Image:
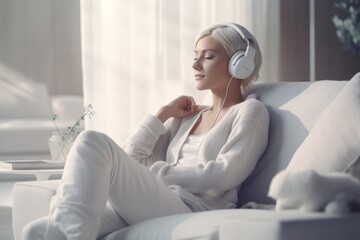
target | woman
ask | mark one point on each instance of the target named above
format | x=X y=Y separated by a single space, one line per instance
x=186 y=158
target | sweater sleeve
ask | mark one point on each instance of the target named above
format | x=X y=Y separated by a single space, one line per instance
x=235 y=162
x=149 y=143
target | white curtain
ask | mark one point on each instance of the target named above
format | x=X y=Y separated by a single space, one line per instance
x=137 y=54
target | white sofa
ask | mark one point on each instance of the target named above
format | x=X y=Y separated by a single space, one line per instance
x=26 y=124
x=294 y=110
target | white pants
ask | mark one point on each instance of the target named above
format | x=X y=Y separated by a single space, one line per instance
x=98 y=172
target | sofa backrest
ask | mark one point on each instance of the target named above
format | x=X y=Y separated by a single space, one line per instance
x=21 y=98
x=294 y=108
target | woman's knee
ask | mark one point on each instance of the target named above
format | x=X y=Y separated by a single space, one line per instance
x=90 y=135
x=93 y=144
x=34 y=230
x=93 y=139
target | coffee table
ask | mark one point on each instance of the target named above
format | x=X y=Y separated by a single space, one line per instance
x=40 y=174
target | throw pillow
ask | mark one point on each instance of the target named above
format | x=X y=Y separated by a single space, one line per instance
x=333 y=143
x=309 y=191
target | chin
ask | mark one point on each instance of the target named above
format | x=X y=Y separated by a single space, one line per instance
x=201 y=87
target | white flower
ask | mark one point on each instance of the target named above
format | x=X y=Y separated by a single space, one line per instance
x=69 y=135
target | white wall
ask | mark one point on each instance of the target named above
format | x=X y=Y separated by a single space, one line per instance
x=40 y=40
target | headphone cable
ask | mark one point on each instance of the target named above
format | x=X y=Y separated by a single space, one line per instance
x=217 y=115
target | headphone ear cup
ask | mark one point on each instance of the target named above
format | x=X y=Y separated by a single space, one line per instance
x=240 y=66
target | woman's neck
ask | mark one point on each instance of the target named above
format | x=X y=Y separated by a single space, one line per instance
x=233 y=97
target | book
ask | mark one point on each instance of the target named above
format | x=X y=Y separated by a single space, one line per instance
x=30 y=165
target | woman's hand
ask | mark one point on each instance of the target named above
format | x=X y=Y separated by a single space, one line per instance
x=180 y=107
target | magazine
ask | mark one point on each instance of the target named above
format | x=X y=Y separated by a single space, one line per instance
x=31 y=164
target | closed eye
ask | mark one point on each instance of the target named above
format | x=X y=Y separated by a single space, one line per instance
x=206 y=57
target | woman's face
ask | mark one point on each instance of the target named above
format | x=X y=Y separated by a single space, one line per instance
x=210 y=64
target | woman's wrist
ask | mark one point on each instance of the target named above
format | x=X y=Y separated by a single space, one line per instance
x=163 y=114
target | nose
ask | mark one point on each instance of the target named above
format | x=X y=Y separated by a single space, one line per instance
x=196 y=65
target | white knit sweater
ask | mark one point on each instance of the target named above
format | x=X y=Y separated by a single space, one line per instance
x=226 y=157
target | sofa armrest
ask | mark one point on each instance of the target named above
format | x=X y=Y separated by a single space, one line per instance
x=284 y=226
x=31 y=200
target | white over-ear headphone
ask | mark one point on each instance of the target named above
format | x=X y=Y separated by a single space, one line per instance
x=242 y=63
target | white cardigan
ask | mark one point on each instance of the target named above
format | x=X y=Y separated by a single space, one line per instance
x=226 y=157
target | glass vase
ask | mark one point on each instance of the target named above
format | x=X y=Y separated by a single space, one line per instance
x=60 y=145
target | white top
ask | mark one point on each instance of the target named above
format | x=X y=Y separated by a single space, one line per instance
x=226 y=157
x=189 y=149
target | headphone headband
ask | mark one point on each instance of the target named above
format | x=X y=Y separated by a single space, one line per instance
x=243 y=32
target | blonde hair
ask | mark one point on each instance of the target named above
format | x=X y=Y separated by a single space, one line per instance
x=233 y=42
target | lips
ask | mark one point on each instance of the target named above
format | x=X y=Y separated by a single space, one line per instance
x=199 y=75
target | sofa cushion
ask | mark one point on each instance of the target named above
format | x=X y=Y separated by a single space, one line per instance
x=334 y=142
x=294 y=109
x=32 y=200
x=212 y=224
x=202 y=225
x=23 y=99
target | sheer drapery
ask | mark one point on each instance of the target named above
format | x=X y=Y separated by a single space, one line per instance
x=137 y=54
